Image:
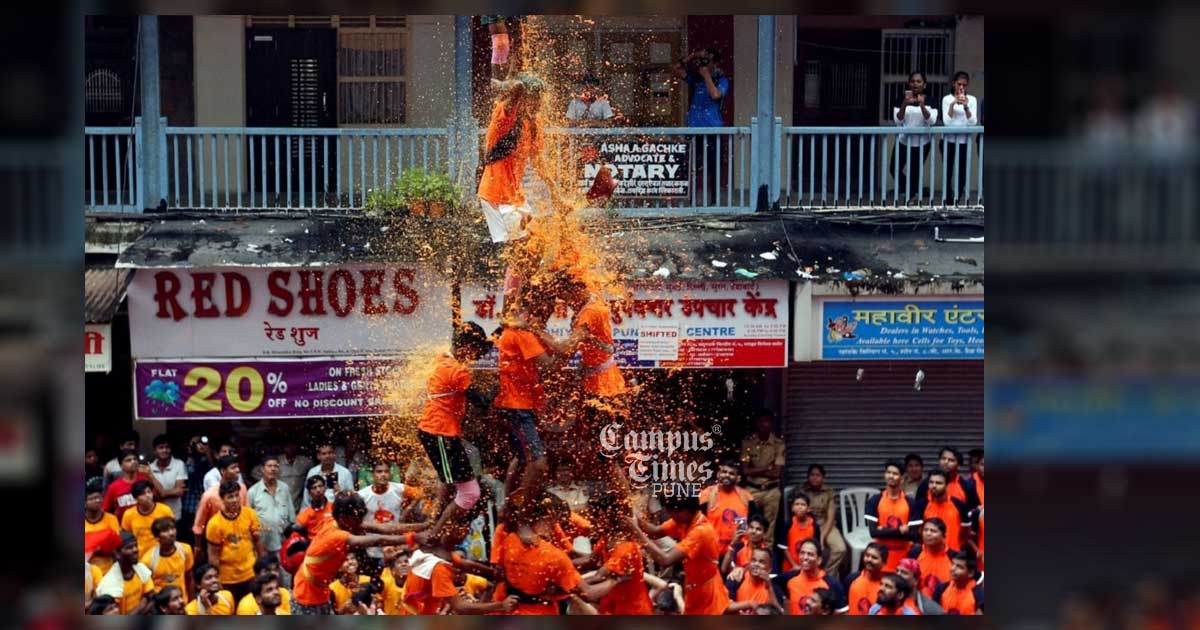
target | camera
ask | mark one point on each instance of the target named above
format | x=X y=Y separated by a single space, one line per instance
x=703 y=61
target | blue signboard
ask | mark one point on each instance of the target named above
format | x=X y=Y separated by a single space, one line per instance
x=904 y=329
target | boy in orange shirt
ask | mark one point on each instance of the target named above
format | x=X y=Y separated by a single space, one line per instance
x=726 y=504
x=863 y=590
x=932 y=555
x=621 y=574
x=318 y=516
x=514 y=138
x=808 y=577
x=440 y=427
x=752 y=586
x=432 y=584
x=962 y=595
x=890 y=516
x=697 y=549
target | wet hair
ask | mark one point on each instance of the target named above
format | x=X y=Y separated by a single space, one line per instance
x=761 y=520
x=826 y=597
x=891 y=463
x=471 y=336
x=224 y=463
x=938 y=472
x=163 y=598
x=228 y=488
x=258 y=583
x=590 y=79
x=666 y=601
x=938 y=523
x=913 y=457
x=953 y=451
x=961 y=75
x=349 y=504
x=812 y=467
x=139 y=487
x=161 y=439
x=312 y=481
x=678 y=502
x=199 y=571
x=100 y=603
x=903 y=588
x=161 y=525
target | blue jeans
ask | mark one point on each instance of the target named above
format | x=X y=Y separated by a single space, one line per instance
x=523 y=435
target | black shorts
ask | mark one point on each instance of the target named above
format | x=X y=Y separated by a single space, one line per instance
x=449 y=457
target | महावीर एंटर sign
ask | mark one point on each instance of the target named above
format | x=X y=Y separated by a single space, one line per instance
x=902 y=329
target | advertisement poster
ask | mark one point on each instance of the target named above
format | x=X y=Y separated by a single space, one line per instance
x=726 y=324
x=351 y=310
x=642 y=168
x=97 y=348
x=283 y=388
x=902 y=329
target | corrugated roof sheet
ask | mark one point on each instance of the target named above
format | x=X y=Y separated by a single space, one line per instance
x=103 y=289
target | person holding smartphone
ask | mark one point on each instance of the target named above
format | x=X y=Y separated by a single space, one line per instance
x=911 y=149
x=959 y=109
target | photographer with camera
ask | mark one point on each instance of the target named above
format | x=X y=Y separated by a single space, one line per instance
x=708 y=85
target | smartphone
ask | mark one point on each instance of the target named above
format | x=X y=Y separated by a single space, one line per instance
x=142 y=458
x=907 y=94
x=204 y=439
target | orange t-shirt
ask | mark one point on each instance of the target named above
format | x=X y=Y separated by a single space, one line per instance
x=954 y=489
x=863 y=592
x=533 y=571
x=631 y=596
x=935 y=568
x=948 y=512
x=520 y=385
x=754 y=590
x=447 y=403
x=704 y=591
x=606 y=382
x=317 y=521
x=729 y=507
x=797 y=534
x=978 y=487
x=322 y=562
x=892 y=514
x=800 y=587
x=428 y=596
x=746 y=551
x=501 y=182
x=102 y=538
x=958 y=601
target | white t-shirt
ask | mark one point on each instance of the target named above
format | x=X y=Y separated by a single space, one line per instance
x=596 y=110
x=213 y=477
x=344 y=480
x=167 y=478
x=383 y=508
x=915 y=119
x=954 y=115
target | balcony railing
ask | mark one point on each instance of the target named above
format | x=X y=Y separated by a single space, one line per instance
x=661 y=170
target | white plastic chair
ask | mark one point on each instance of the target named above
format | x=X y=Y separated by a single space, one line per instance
x=852 y=503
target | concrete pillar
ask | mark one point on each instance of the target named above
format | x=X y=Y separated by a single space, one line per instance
x=765 y=113
x=150 y=154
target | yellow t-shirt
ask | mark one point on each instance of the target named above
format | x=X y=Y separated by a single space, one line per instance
x=138 y=524
x=127 y=592
x=393 y=596
x=170 y=570
x=342 y=593
x=107 y=522
x=224 y=605
x=250 y=607
x=91 y=579
x=236 y=538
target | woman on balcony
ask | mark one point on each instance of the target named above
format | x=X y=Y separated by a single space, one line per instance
x=911 y=149
x=959 y=109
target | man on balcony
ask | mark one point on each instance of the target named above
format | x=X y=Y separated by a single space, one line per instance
x=708 y=85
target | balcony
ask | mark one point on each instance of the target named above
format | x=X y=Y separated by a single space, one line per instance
x=716 y=170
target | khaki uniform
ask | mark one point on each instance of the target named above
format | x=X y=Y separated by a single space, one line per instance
x=819 y=506
x=758 y=453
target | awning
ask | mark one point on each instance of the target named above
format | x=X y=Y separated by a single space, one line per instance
x=759 y=246
x=103 y=288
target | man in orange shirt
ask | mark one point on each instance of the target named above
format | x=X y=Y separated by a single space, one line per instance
x=890 y=516
x=752 y=586
x=863 y=590
x=514 y=138
x=621 y=569
x=728 y=505
x=432 y=583
x=800 y=525
x=950 y=510
x=523 y=365
x=962 y=595
x=327 y=552
x=932 y=555
x=976 y=455
x=697 y=549
x=318 y=516
x=807 y=578
x=211 y=502
x=949 y=461
x=440 y=427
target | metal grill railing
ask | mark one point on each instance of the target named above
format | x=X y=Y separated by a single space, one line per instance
x=111 y=169
x=834 y=168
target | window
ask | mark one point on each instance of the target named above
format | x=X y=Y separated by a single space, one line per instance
x=929 y=50
x=372 y=69
x=102 y=92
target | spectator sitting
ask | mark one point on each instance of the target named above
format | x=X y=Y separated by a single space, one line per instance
x=591 y=107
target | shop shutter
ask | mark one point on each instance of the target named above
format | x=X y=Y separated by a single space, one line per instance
x=852 y=427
